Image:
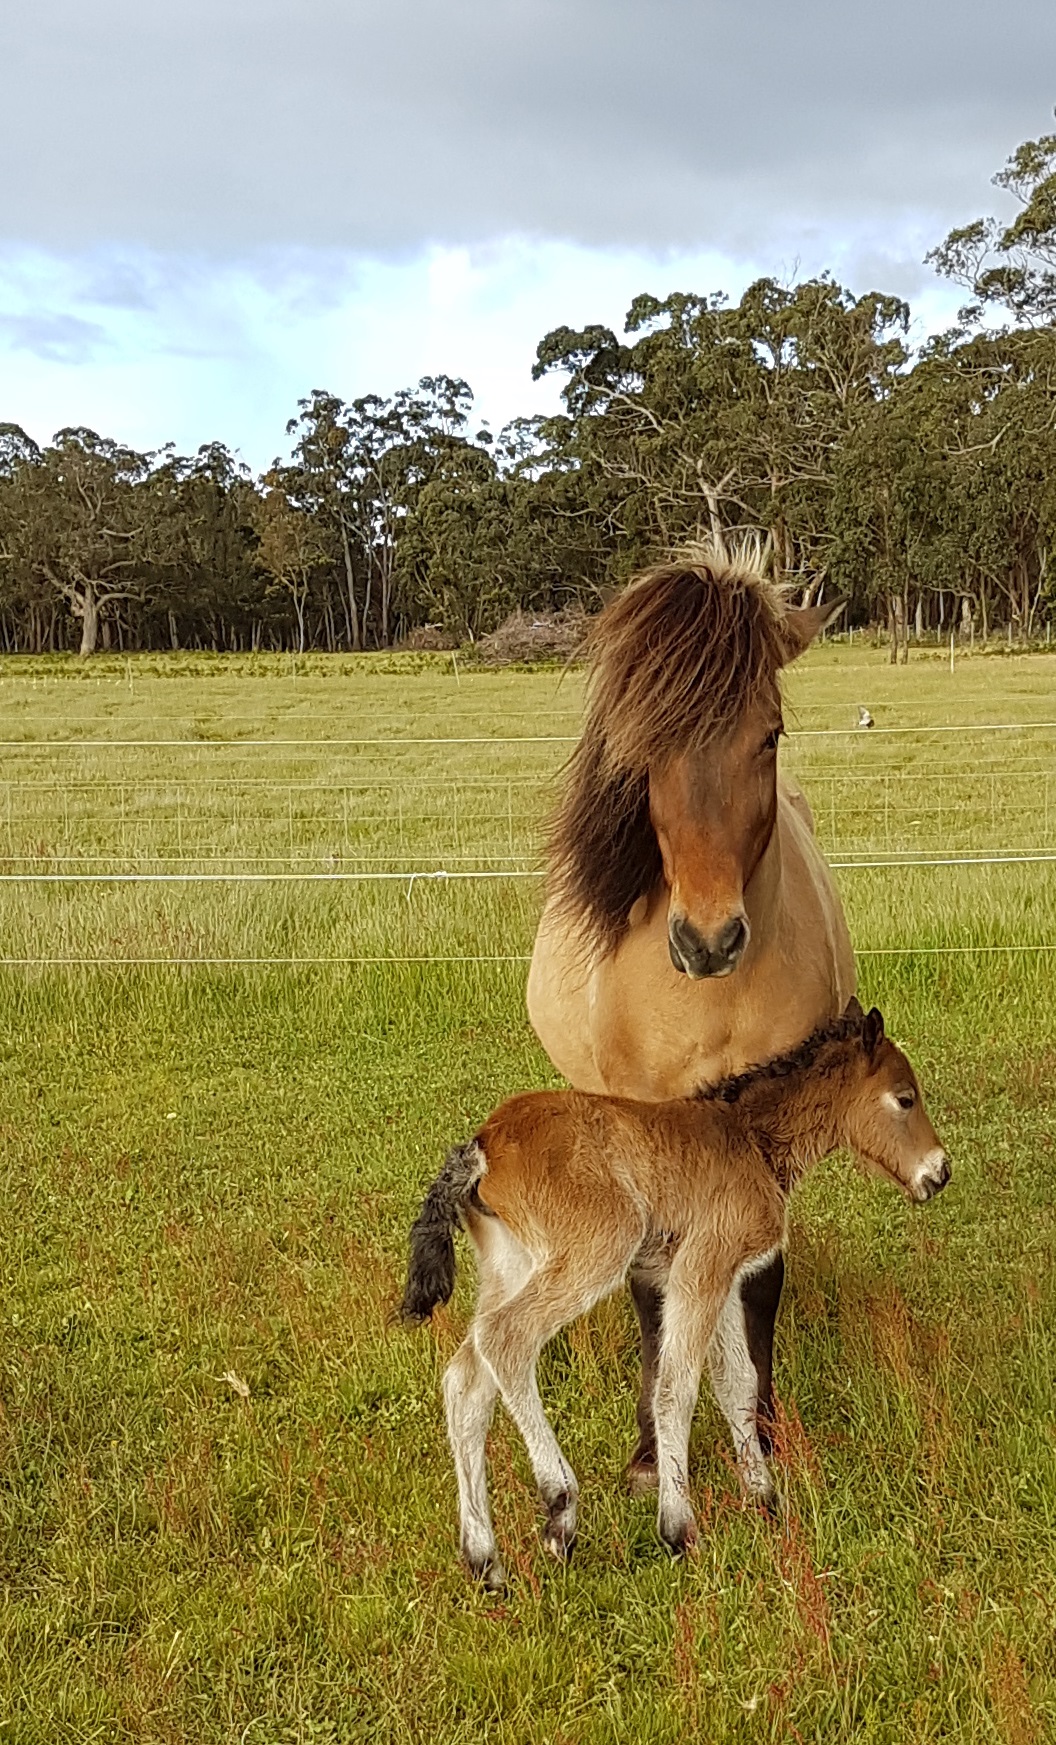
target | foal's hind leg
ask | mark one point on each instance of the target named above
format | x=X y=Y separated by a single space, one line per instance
x=469 y=1395
x=509 y=1340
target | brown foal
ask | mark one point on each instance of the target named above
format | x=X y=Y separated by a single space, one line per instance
x=563 y=1192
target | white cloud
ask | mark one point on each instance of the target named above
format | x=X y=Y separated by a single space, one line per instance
x=150 y=348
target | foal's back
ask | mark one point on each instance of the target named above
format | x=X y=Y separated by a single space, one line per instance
x=557 y=1157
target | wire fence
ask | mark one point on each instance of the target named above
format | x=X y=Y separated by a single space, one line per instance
x=236 y=825
x=444 y=874
x=411 y=827
x=306 y=962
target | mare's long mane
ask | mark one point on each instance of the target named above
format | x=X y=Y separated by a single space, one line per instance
x=674 y=661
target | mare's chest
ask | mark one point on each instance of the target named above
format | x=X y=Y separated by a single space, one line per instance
x=654 y=1033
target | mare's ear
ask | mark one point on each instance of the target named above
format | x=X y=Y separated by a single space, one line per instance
x=872 y=1032
x=802 y=624
x=853 y=1008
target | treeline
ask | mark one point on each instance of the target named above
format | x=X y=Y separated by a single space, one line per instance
x=922 y=484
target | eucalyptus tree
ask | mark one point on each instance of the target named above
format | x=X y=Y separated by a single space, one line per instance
x=78 y=522
x=203 y=546
x=361 y=467
x=1011 y=267
x=721 y=417
x=494 y=527
x=291 y=548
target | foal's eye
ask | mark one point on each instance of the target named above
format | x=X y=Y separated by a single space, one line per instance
x=906 y=1100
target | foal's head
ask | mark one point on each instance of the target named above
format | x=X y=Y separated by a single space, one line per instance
x=887 y=1125
x=675 y=778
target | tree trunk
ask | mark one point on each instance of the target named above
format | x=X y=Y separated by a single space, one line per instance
x=386 y=591
x=350 y=585
x=898 y=627
x=89 y=621
x=366 y=598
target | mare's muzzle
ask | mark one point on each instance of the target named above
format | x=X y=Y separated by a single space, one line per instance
x=698 y=957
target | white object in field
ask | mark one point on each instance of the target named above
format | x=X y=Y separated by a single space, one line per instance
x=864 y=717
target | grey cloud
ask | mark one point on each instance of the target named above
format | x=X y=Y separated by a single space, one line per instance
x=118 y=284
x=234 y=126
x=55 y=338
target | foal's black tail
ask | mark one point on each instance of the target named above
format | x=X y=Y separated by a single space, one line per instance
x=431 y=1269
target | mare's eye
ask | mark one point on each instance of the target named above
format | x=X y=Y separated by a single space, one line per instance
x=770 y=742
x=906 y=1100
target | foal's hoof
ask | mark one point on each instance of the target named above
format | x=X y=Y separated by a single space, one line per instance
x=559 y=1533
x=559 y=1545
x=681 y=1540
x=641 y=1475
x=488 y=1571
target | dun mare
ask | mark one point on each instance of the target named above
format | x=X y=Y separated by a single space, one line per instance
x=691 y=924
x=562 y=1193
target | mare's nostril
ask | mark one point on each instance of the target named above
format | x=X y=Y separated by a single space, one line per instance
x=733 y=938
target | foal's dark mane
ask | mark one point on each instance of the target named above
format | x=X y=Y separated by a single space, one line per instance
x=799 y=1059
x=674 y=660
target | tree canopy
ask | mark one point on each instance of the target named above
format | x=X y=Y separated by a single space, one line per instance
x=921 y=483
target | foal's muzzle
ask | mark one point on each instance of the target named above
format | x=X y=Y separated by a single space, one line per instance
x=934 y=1180
x=698 y=957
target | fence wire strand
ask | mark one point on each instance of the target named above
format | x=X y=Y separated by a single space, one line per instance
x=396 y=744
x=515 y=957
x=457 y=875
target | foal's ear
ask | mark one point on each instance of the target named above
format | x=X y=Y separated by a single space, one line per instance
x=872 y=1032
x=853 y=1008
x=801 y=624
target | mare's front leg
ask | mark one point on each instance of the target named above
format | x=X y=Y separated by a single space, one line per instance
x=761 y=1297
x=648 y=1298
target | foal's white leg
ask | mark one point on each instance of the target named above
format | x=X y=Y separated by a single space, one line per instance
x=509 y=1344
x=689 y=1322
x=470 y=1392
x=469 y=1395
x=738 y=1386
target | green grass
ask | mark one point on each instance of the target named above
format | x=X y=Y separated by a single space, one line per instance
x=207 y=1171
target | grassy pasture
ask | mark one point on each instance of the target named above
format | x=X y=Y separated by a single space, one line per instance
x=208 y=1168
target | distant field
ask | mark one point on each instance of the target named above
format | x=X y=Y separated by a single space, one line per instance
x=209 y=1164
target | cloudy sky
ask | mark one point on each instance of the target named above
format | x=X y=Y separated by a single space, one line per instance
x=209 y=208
